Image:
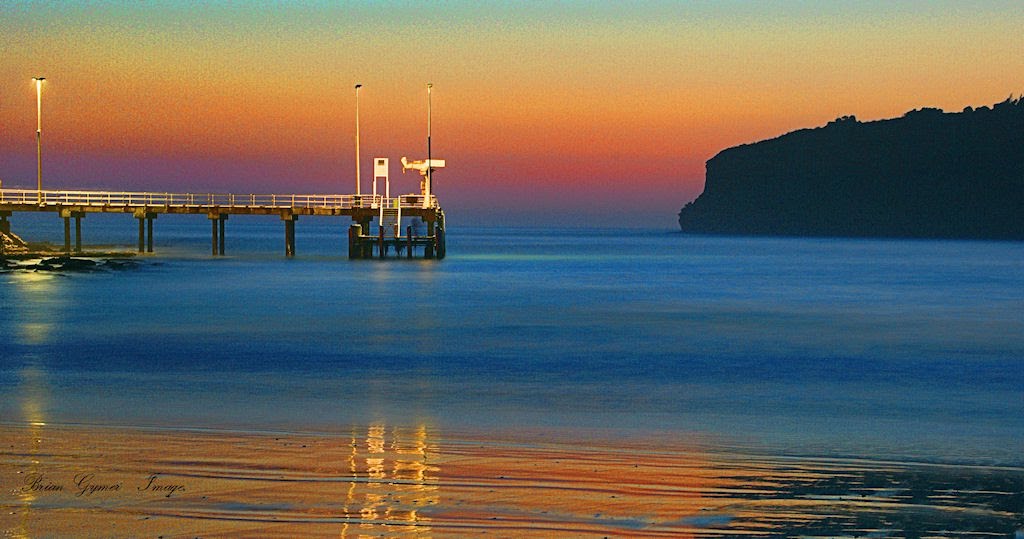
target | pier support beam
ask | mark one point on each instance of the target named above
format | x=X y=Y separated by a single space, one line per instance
x=213 y=223
x=441 y=248
x=367 y=246
x=221 y=223
x=67 y=234
x=149 y=231
x=289 y=233
x=217 y=221
x=145 y=230
x=408 y=241
x=67 y=215
x=78 y=231
x=428 y=249
x=380 y=242
x=355 y=248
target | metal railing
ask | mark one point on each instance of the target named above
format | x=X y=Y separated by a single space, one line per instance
x=209 y=200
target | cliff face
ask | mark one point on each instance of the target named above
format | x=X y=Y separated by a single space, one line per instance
x=927 y=174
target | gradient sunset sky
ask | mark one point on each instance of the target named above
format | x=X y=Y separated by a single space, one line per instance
x=569 y=112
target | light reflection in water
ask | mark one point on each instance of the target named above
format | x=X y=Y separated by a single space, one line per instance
x=389 y=482
x=34 y=392
x=398 y=481
x=37 y=302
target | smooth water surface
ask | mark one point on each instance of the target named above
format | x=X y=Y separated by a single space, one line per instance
x=835 y=347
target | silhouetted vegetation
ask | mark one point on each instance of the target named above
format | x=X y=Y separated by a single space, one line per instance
x=928 y=174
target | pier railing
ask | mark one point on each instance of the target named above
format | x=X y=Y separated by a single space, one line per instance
x=210 y=200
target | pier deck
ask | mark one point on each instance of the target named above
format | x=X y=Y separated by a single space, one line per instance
x=146 y=206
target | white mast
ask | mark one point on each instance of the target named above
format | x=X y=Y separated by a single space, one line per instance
x=358 y=86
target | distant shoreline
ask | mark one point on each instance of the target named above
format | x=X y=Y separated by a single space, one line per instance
x=928 y=175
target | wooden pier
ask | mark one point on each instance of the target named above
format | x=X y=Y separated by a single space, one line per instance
x=390 y=238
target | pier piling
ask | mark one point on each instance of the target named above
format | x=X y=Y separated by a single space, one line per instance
x=441 y=249
x=289 y=233
x=428 y=249
x=142 y=233
x=354 y=248
x=149 y=232
x=213 y=233
x=408 y=242
x=145 y=229
x=221 y=222
x=67 y=232
x=78 y=231
x=217 y=234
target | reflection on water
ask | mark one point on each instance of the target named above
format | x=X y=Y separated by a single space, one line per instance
x=397 y=482
x=34 y=391
x=407 y=482
x=37 y=302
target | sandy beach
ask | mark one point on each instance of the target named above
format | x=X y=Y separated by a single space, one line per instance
x=378 y=480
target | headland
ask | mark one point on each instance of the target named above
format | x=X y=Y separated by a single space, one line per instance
x=928 y=174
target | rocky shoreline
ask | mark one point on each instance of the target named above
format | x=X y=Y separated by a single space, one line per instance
x=19 y=255
x=84 y=262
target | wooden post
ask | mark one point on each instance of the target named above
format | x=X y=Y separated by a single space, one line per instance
x=67 y=234
x=355 y=247
x=440 y=242
x=368 y=246
x=221 y=220
x=408 y=241
x=213 y=231
x=149 y=232
x=291 y=238
x=289 y=233
x=428 y=249
x=380 y=244
x=142 y=233
x=78 y=232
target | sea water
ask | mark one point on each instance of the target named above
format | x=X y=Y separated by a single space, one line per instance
x=836 y=347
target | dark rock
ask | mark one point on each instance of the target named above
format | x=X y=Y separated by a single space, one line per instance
x=66 y=263
x=120 y=264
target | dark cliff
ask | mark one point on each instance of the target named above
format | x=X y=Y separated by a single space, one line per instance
x=928 y=174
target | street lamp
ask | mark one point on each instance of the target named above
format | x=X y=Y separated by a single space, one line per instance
x=430 y=164
x=358 y=86
x=39 y=136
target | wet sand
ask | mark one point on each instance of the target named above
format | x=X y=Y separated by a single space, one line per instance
x=61 y=481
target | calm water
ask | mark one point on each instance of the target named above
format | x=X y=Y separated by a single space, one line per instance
x=888 y=349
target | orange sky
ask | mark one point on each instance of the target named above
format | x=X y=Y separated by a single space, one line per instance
x=579 y=111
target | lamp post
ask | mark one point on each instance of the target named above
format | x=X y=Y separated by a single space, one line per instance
x=358 y=86
x=39 y=136
x=430 y=164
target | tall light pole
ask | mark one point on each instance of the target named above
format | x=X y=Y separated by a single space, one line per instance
x=430 y=164
x=39 y=136
x=358 y=86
